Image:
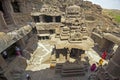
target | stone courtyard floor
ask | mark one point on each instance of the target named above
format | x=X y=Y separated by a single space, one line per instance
x=41 y=71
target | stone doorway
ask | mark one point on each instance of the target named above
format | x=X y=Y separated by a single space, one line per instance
x=48 y=19
x=16 y=6
x=74 y=53
x=58 y=19
x=1 y=7
x=52 y=31
x=36 y=19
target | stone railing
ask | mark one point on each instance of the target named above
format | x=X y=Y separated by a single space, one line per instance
x=7 y=39
x=47 y=26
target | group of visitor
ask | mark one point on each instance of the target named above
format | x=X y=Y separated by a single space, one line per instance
x=100 y=63
x=17 y=52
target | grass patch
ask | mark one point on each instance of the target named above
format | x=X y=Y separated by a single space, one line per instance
x=115 y=15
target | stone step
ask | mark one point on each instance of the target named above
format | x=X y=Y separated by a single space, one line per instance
x=2 y=77
x=72 y=71
x=16 y=74
x=1 y=71
x=74 y=68
x=73 y=74
x=58 y=68
x=58 y=71
x=6 y=16
x=17 y=78
x=7 y=19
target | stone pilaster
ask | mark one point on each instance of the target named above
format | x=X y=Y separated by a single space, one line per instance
x=41 y=18
x=54 y=20
x=2 y=21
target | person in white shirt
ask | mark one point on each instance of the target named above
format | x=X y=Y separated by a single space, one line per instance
x=18 y=52
x=5 y=55
x=28 y=77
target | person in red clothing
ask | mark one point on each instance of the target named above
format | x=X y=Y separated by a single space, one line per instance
x=18 y=51
x=104 y=54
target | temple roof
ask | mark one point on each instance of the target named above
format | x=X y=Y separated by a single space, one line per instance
x=73 y=8
x=48 y=10
x=84 y=44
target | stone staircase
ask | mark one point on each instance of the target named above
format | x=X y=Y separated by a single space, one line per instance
x=70 y=69
x=2 y=77
x=7 y=19
x=17 y=75
x=58 y=68
x=65 y=33
x=67 y=72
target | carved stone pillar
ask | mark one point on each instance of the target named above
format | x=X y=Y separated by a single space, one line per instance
x=54 y=20
x=41 y=18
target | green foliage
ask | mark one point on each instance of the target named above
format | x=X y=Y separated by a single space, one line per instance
x=115 y=15
x=117 y=18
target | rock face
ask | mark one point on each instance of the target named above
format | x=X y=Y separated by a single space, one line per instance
x=92 y=13
x=16 y=68
x=17 y=12
x=114 y=64
x=19 y=62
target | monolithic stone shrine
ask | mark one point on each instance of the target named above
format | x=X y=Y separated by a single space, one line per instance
x=58 y=40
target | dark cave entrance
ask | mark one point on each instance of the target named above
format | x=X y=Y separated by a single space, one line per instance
x=76 y=52
x=52 y=31
x=1 y=7
x=58 y=19
x=48 y=19
x=15 y=6
x=36 y=18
